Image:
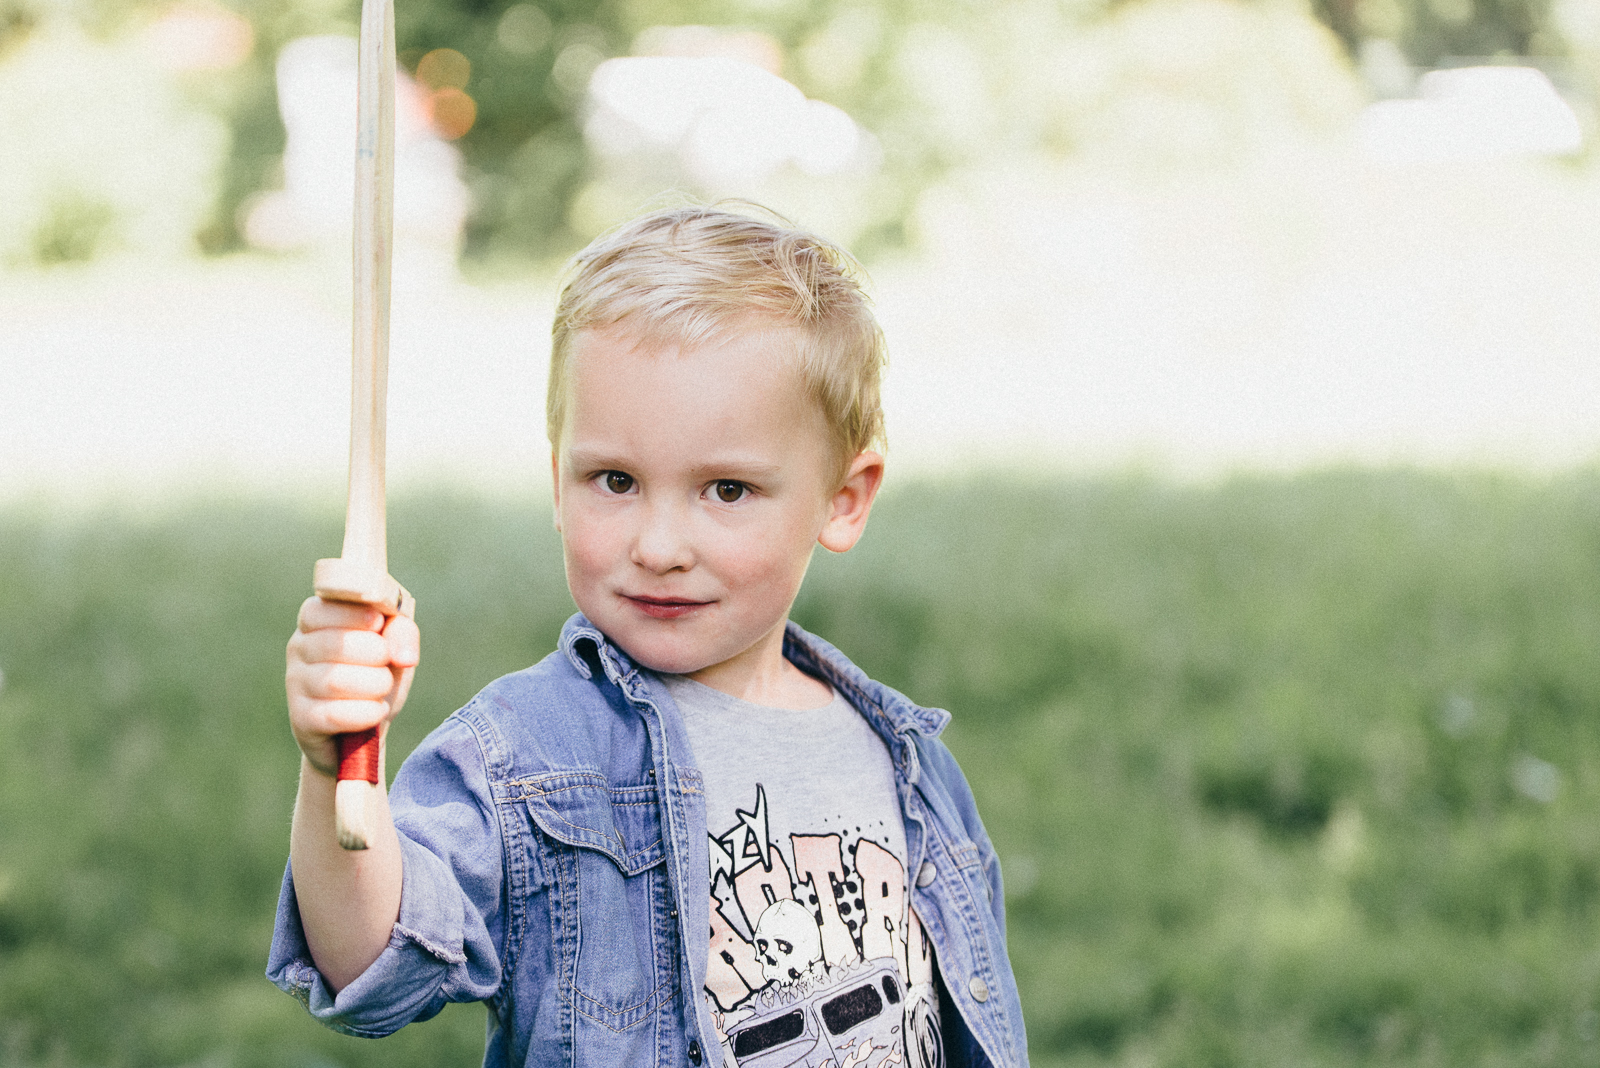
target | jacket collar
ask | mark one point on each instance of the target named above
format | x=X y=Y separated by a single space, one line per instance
x=589 y=650
x=809 y=652
x=890 y=712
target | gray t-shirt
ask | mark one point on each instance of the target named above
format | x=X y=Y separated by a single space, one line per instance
x=813 y=944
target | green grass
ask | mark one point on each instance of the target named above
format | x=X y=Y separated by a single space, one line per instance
x=1285 y=771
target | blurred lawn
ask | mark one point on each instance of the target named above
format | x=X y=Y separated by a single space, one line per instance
x=1283 y=771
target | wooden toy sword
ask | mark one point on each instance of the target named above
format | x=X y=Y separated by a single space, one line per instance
x=361 y=573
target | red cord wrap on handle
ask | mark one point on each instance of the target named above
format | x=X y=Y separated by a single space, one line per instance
x=358 y=755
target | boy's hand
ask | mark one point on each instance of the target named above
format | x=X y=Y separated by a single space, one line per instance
x=349 y=668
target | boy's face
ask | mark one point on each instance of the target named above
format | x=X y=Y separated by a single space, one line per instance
x=691 y=484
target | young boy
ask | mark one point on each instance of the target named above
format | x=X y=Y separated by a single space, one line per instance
x=695 y=834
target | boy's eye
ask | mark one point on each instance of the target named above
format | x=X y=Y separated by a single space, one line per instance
x=729 y=491
x=617 y=482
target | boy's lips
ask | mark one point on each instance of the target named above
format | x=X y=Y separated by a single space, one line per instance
x=665 y=607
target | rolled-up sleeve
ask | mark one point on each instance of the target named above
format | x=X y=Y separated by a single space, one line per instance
x=446 y=945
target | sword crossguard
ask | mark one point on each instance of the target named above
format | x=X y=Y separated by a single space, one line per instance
x=355 y=582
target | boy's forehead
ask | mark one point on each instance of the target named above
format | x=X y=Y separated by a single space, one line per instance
x=744 y=386
x=751 y=365
x=767 y=338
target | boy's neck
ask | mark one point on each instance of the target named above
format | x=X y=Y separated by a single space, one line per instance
x=762 y=675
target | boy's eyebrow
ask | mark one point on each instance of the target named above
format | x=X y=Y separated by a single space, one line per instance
x=579 y=460
x=744 y=467
x=728 y=466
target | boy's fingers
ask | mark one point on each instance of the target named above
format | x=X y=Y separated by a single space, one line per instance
x=341 y=717
x=342 y=682
x=342 y=646
x=317 y=614
x=349 y=669
x=404 y=642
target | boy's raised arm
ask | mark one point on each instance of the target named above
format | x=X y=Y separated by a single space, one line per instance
x=349 y=668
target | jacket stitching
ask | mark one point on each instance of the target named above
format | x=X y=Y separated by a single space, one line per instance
x=651 y=1001
x=978 y=946
x=593 y=832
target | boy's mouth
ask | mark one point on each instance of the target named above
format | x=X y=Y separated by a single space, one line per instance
x=665 y=607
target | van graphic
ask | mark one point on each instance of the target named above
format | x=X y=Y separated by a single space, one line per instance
x=831 y=1028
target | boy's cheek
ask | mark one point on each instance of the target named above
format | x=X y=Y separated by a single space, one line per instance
x=581 y=565
x=589 y=561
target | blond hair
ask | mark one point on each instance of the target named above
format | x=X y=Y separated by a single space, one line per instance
x=686 y=275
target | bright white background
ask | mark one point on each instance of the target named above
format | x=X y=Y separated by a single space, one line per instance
x=1404 y=282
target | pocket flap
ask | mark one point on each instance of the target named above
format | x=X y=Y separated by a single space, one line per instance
x=583 y=809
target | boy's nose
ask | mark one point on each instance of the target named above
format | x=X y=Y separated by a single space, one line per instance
x=662 y=544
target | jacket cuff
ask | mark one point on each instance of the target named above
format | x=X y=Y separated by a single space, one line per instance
x=408 y=980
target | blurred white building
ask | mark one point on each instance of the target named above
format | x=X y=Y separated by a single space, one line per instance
x=705 y=110
x=317 y=99
x=1472 y=114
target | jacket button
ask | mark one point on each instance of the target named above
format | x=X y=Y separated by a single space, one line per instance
x=978 y=989
x=694 y=1051
x=927 y=873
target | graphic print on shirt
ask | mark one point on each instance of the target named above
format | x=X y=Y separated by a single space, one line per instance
x=817 y=960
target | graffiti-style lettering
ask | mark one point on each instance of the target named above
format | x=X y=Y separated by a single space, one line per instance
x=883 y=895
x=733 y=970
x=758 y=887
x=919 y=968
x=818 y=860
x=813 y=945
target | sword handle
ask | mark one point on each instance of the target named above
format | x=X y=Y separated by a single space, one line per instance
x=360 y=752
x=361 y=573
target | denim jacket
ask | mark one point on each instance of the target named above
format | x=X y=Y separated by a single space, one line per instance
x=554 y=851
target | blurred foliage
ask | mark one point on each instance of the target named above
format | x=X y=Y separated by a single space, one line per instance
x=73 y=229
x=1429 y=31
x=106 y=152
x=525 y=157
x=939 y=83
x=17 y=20
x=1284 y=771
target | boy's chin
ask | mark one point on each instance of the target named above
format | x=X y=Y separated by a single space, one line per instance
x=665 y=658
x=681 y=647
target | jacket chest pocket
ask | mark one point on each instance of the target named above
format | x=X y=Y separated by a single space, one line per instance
x=611 y=902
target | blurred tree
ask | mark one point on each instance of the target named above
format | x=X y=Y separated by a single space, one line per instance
x=939 y=83
x=1428 y=31
x=106 y=153
x=529 y=65
x=16 y=20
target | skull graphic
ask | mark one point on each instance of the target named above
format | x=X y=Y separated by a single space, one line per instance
x=787 y=941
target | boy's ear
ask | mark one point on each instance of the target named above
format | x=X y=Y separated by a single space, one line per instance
x=851 y=503
x=555 y=485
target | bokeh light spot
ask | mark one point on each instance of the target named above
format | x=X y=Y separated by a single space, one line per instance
x=444 y=68
x=574 y=65
x=523 y=29
x=452 y=112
